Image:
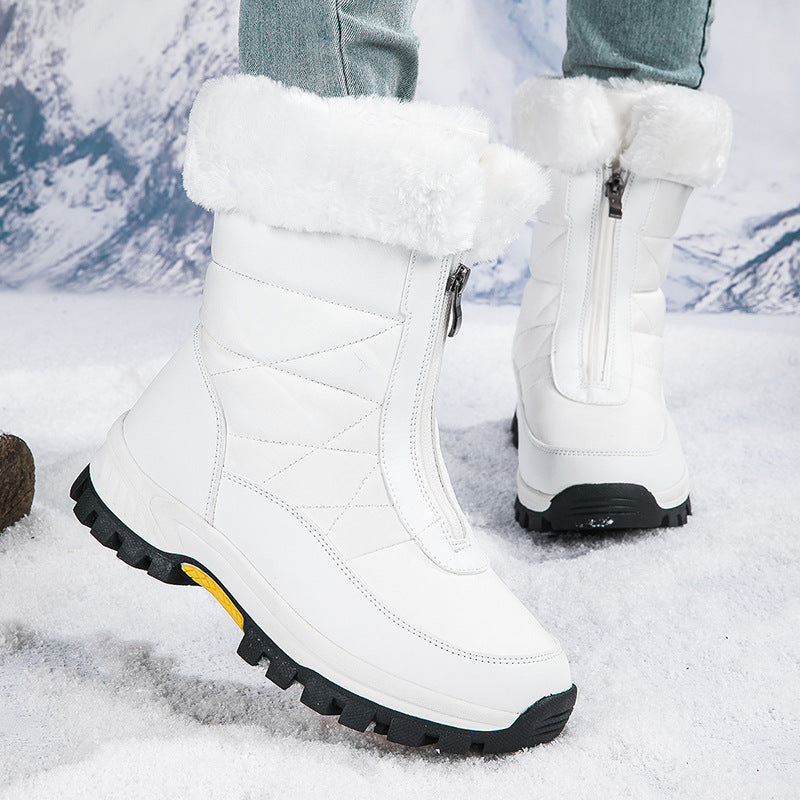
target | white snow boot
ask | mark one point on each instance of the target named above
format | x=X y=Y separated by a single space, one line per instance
x=287 y=457
x=597 y=446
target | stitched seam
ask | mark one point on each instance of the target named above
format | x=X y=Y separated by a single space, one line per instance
x=350 y=559
x=257 y=362
x=305 y=294
x=318 y=383
x=429 y=526
x=339 y=346
x=300 y=377
x=342 y=61
x=417 y=408
x=216 y=470
x=457 y=542
x=352 y=505
x=297 y=444
x=436 y=560
x=412 y=261
x=317 y=448
x=608 y=383
x=535 y=327
x=565 y=452
x=706 y=26
x=353 y=497
x=597 y=209
x=531 y=361
x=387 y=400
x=557 y=326
x=363 y=589
x=530 y=384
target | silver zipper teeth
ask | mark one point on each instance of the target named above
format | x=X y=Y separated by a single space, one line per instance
x=448 y=326
x=597 y=332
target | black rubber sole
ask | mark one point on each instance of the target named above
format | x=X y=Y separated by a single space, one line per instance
x=541 y=723
x=597 y=507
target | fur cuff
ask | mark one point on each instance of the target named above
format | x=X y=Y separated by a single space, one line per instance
x=653 y=129
x=409 y=174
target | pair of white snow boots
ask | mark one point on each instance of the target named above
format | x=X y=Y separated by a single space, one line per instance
x=287 y=458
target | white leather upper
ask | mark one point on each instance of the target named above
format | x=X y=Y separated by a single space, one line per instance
x=588 y=346
x=406 y=668
x=323 y=353
x=176 y=430
x=349 y=388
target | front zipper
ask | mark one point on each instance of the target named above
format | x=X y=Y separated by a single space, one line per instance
x=598 y=328
x=448 y=325
x=455 y=286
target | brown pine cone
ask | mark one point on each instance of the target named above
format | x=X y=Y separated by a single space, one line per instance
x=16 y=479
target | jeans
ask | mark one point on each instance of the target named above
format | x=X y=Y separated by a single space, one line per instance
x=331 y=47
x=657 y=40
x=339 y=47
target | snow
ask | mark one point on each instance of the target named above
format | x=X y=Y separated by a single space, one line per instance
x=683 y=642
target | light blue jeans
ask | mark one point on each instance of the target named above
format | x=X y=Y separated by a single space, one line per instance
x=338 y=47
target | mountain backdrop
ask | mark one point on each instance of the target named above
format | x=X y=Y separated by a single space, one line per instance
x=95 y=95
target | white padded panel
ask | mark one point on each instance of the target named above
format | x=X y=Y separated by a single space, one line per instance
x=362 y=367
x=258 y=460
x=373 y=490
x=323 y=477
x=270 y=404
x=234 y=313
x=364 y=529
x=480 y=612
x=362 y=436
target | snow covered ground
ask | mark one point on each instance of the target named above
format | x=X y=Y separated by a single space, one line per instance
x=684 y=643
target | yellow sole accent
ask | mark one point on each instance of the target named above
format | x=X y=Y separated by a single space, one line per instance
x=210 y=585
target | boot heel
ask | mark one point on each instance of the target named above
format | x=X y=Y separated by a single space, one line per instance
x=594 y=508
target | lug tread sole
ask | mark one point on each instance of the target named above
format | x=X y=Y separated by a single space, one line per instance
x=540 y=723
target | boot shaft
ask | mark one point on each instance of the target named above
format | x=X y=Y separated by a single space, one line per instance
x=608 y=256
x=323 y=347
x=623 y=158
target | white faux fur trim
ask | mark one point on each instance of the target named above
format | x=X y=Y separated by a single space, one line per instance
x=409 y=174
x=678 y=133
x=567 y=124
x=653 y=129
x=514 y=187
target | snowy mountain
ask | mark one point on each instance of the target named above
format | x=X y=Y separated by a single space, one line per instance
x=93 y=111
x=768 y=278
x=94 y=98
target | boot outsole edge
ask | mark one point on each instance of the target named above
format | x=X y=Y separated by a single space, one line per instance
x=540 y=723
x=600 y=507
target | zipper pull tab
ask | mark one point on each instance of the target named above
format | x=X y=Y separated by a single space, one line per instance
x=455 y=284
x=615 y=186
